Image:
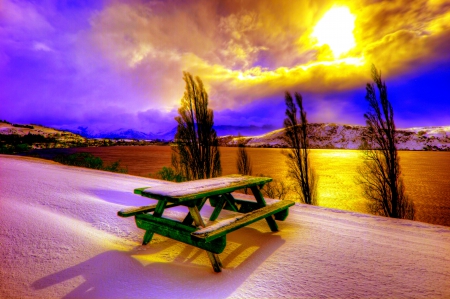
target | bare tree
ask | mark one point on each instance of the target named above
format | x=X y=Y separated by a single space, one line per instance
x=276 y=189
x=296 y=136
x=381 y=174
x=196 y=155
x=243 y=162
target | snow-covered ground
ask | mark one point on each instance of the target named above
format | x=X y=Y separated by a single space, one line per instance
x=60 y=237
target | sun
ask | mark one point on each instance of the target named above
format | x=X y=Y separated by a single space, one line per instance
x=336 y=30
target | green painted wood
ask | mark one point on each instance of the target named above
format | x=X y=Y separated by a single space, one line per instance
x=247 y=204
x=198 y=220
x=200 y=203
x=231 y=204
x=195 y=213
x=262 y=203
x=139 y=190
x=213 y=200
x=216 y=231
x=178 y=231
x=159 y=210
x=281 y=216
x=128 y=212
x=219 y=202
x=215 y=261
x=170 y=223
x=187 y=191
x=148 y=236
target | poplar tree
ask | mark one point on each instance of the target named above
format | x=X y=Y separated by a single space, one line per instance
x=196 y=154
x=381 y=174
x=298 y=162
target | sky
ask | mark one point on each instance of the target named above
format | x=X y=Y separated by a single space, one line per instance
x=106 y=65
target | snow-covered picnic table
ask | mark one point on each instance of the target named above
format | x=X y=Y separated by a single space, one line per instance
x=191 y=228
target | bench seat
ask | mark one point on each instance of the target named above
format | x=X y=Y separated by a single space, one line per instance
x=224 y=227
x=169 y=226
x=247 y=203
x=132 y=211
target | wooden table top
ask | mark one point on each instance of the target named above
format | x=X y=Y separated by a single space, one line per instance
x=192 y=190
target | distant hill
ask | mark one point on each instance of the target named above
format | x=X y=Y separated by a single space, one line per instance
x=19 y=138
x=7 y=128
x=134 y=134
x=333 y=136
x=243 y=130
x=123 y=133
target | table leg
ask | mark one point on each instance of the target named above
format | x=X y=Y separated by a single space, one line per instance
x=220 y=201
x=157 y=213
x=230 y=200
x=213 y=258
x=188 y=219
x=262 y=203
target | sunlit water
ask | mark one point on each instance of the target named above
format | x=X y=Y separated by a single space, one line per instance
x=425 y=174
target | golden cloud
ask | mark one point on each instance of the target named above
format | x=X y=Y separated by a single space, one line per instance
x=245 y=50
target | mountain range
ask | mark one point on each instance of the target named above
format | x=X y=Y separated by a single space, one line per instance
x=333 y=136
x=322 y=135
x=135 y=134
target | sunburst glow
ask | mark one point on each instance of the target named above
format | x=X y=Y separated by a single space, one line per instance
x=336 y=30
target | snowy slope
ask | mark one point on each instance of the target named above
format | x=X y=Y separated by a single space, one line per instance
x=349 y=137
x=60 y=237
x=62 y=136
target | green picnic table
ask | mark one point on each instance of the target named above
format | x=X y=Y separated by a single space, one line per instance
x=191 y=228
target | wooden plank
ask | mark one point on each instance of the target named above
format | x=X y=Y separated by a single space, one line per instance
x=248 y=203
x=213 y=258
x=139 y=190
x=262 y=203
x=220 y=229
x=189 y=219
x=281 y=216
x=178 y=231
x=128 y=212
x=213 y=200
x=231 y=204
x=187 y=191
x=219 y=202
x=159 y=209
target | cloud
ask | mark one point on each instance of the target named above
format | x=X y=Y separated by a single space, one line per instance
x=42 y=47
x=401 y=36
x=121 y=62
x=244 y=51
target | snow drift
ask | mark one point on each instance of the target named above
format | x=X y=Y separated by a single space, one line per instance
x=60 y=237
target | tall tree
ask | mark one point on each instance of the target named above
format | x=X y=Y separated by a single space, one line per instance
x=196 y=155
x=296 y=136
x=381 y=174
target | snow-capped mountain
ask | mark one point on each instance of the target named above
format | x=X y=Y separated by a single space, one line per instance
x=323 y=136
x=335 y=136
x=134 y=134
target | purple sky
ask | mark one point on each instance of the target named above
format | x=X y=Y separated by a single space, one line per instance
x=118 y=64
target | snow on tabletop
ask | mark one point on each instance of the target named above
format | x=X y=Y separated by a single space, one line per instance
x=200 y=186
x=60 y=237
